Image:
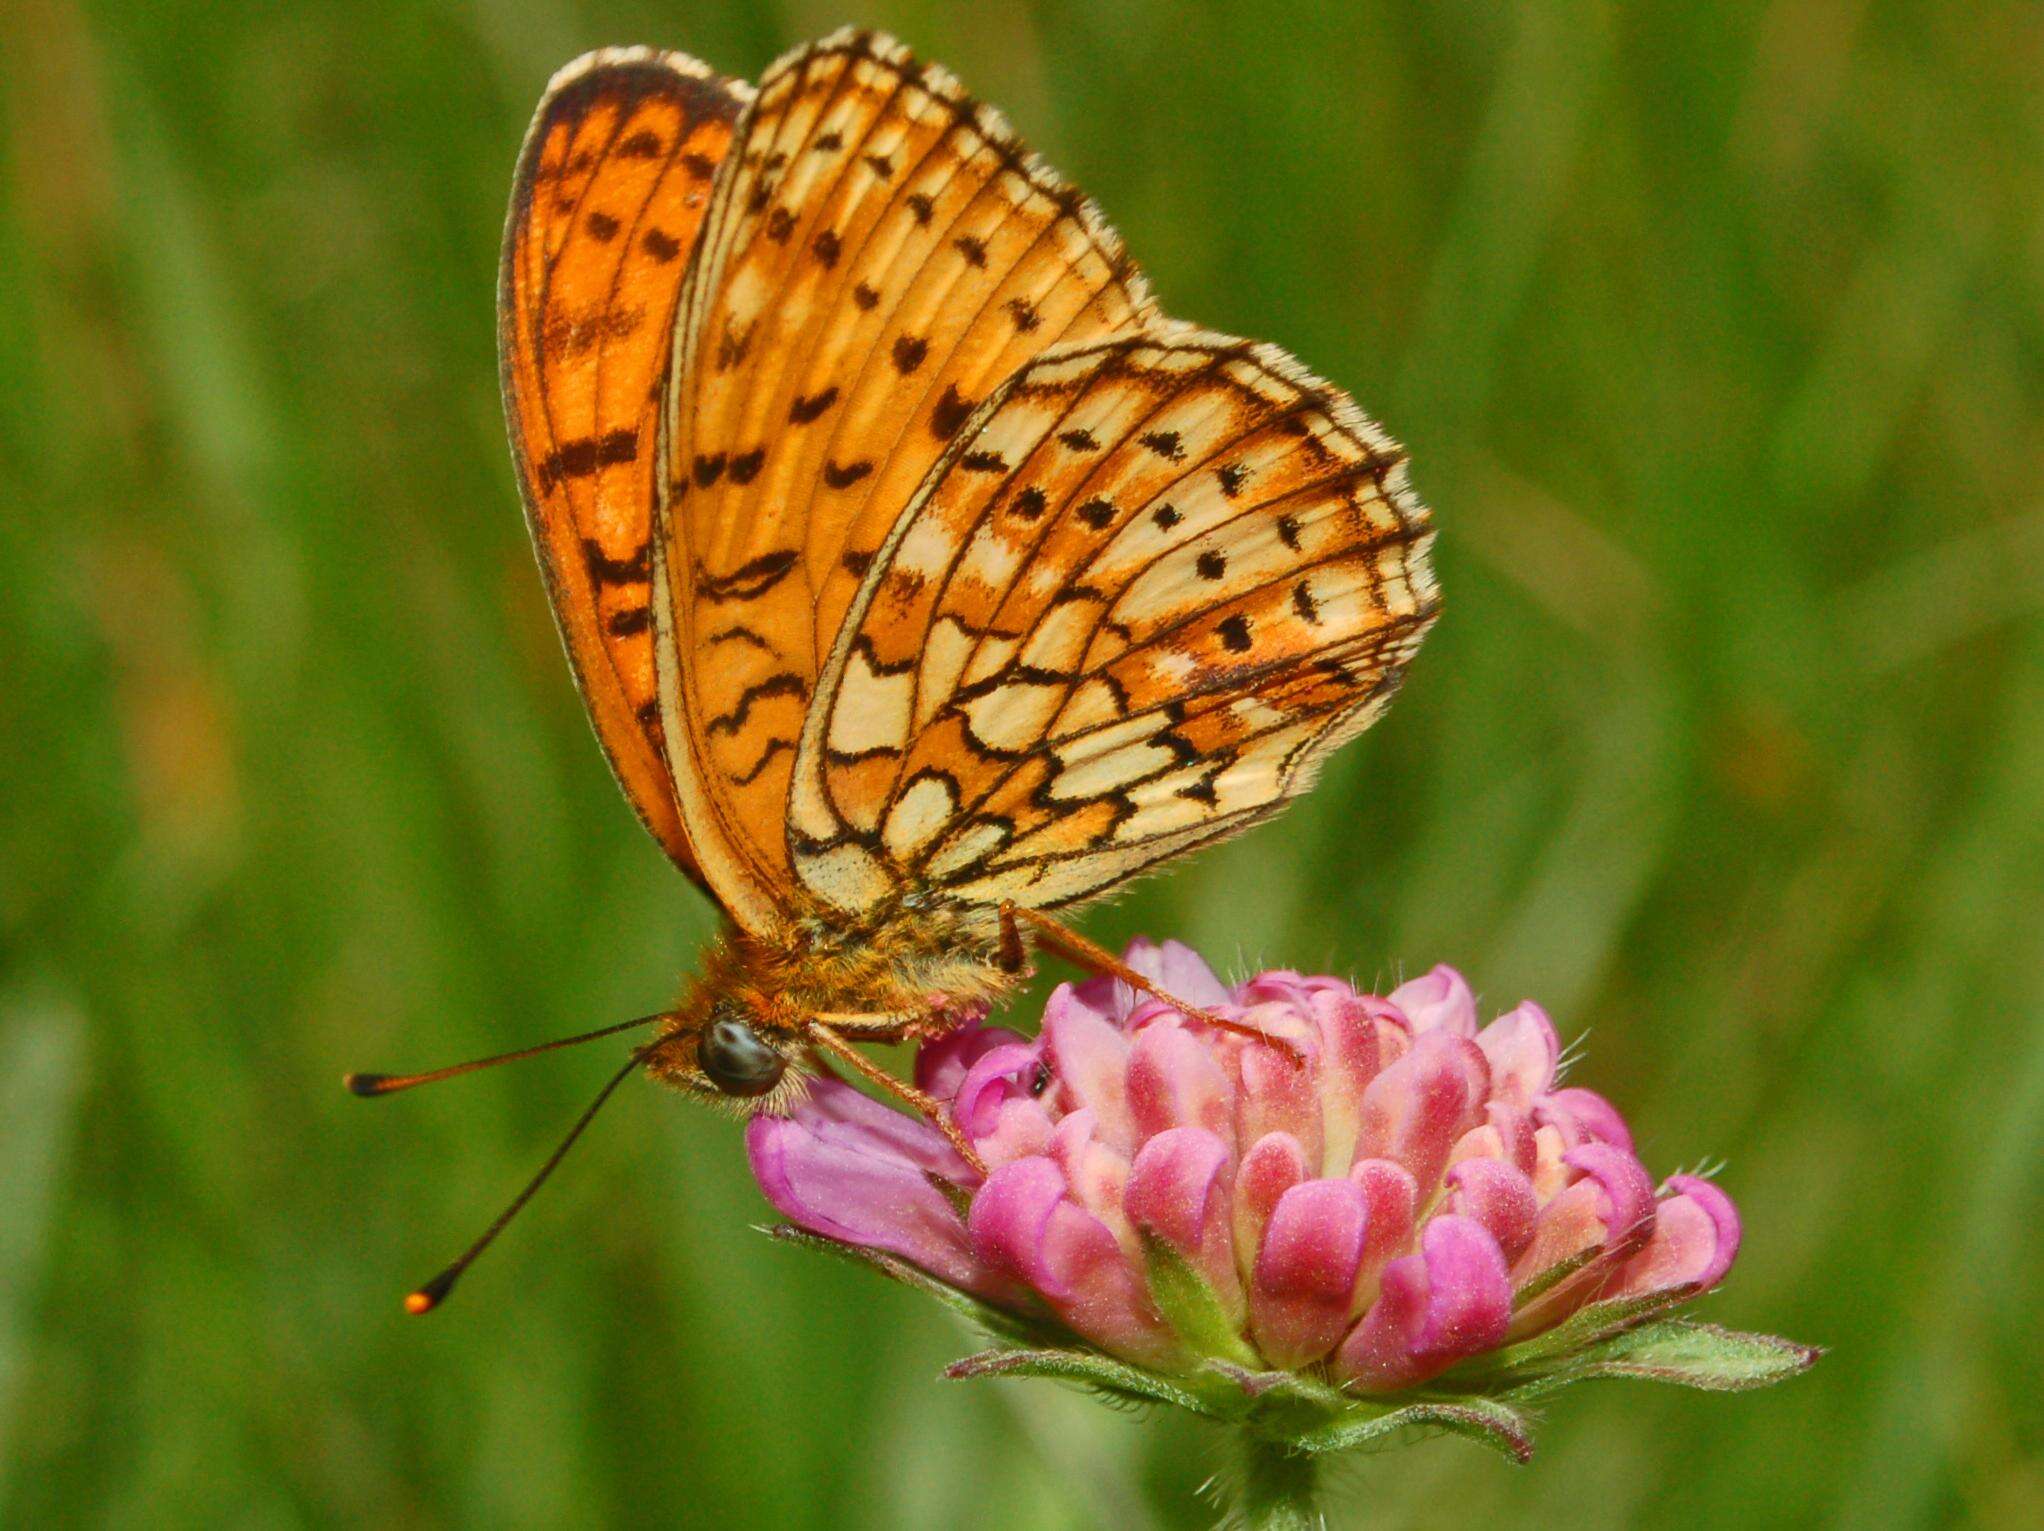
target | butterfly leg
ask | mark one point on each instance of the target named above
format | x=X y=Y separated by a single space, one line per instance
x=1061 y=941
x=829 y=1041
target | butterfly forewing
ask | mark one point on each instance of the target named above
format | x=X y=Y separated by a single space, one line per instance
x=611 y=190
x=1151 y=585
x=881 y=254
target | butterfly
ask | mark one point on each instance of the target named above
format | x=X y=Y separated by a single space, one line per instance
x=920 y=576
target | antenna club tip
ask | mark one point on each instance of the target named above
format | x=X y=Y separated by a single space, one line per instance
x=420 y=1302
x=364 y=1084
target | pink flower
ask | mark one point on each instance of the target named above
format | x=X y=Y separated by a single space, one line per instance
x=1398 y=1197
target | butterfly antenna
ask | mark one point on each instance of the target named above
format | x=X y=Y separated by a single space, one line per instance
x=434 y=1292
x=370 y=1085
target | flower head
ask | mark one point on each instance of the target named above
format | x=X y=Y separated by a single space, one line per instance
x=1386 y=1206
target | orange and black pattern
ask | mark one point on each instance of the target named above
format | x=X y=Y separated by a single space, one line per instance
x=908 y=556
x=1152 y=584
x=610 y=194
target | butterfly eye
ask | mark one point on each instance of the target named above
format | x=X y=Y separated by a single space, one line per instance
x=736 y=1061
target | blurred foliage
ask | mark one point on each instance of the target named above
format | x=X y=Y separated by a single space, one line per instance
x=1718 y=335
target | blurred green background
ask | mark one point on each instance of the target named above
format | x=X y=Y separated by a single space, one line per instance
x=1718 y=335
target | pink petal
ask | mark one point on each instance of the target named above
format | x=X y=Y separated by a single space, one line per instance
x=1179 y=971
x=1347 y=1061
x=1695 y=1239
x=1392 y=1197
x=1088 y=1057
x=1501 y=1198
x=1452 y=1299
x=1583 y=1116
x=1022 y=1223
x=1275 y=1091
x=1272 y=1166
x=864 y=1195
x=1178 y=1191
x=1174 y=1080
x=1414 y=1111
x=1610 y=1208
x=1095 y=1174
x=1305 y=1273
x=997 y=1075
x=1522 y=1049
x=1438 y=1001
x=941 y=1063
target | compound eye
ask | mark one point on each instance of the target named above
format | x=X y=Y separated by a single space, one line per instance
x=735 y=1060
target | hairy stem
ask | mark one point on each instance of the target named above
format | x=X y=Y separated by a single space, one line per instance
x=1274 y=1488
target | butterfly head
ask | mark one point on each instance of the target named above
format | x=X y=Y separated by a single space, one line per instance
x=733 y=1053
x=735 y=1059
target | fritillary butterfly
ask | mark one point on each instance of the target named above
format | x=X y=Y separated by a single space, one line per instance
x=920 y=576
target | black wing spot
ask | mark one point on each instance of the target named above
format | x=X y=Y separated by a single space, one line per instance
x=1165 y=444
x=865 y=296
x=633 y=619
x=709 y=469
x=1304 y=604
x=802 y=411
x=751 y=774
x=922 y=205
x=605 y=570
x=602 y=227
x=1029 y=504
x=661 y=245
x=585 y=454
x=881 y=165
x=1024 y=314
x=828 y=143
x=846 y=476
x=745 y=467
x=648 y=712
x=1234 y=633
x=950 y=413
x=1201 y=791
x=909 y=351
x=644 y=144
x=700 y=166
x=974 y=250
x=827 y=247
x=1166 y=517
x=1232 y=476
x=732 y=348
x=855 y=563
x=787 y=683
x=779 y=225
x=1211 y=565
x=1079 y=440
x=1288 y=532
x=983 y=462
x=1096 y=513
x=748 y=581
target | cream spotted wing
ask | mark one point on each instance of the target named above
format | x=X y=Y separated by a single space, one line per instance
x=1150 y=586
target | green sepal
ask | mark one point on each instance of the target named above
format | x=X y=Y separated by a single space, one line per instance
x=996 y=1323
x=1497 y=1425
x=1190 y=1306
x=1088 y=1368
x=1683 y=1352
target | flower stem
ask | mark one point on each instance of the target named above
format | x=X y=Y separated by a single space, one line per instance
x=1274 y=1488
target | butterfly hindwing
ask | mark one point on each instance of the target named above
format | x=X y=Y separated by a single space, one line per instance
x=1153 y=583
x=610 y=192
x=880 y=255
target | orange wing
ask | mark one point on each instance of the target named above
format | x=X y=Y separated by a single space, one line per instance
x=881 y=253
x=611 y=189
x=1155 y=581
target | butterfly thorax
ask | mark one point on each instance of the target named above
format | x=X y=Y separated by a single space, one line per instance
x=885 y=981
